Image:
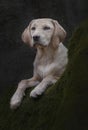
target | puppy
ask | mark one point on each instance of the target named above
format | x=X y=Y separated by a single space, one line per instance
x=51 y=59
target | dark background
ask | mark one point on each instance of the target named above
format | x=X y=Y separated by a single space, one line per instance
x=15 y=57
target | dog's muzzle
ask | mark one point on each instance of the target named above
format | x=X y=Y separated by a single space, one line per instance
x=36 y=38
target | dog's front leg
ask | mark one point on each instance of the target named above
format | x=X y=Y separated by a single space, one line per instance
x=39 y=90
x=20 y=92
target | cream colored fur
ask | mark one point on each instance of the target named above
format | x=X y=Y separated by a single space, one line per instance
x=50 y=60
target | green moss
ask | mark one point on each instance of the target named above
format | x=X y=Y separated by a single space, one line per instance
x=64 y=106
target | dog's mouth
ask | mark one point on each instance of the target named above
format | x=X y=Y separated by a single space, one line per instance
x=37 y=44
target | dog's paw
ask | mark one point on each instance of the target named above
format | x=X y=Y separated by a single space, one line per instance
x=15 y=104
x=36 y=92
x=33 y=94
x=15 y=101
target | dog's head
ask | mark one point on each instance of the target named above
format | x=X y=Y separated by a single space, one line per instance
x=44 y=32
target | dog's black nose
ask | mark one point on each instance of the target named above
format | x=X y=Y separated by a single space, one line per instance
x=36 y=38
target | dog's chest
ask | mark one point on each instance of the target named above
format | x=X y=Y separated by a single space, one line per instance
x=44 y=66
x=43 y=70
x=51 y=63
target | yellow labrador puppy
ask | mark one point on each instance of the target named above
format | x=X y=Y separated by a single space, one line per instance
x=47 y=36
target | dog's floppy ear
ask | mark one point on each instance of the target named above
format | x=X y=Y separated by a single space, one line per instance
x=26 y=36
x=59 y=34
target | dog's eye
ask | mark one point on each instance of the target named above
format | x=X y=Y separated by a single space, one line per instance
x=33 y=28
x=46 y=28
